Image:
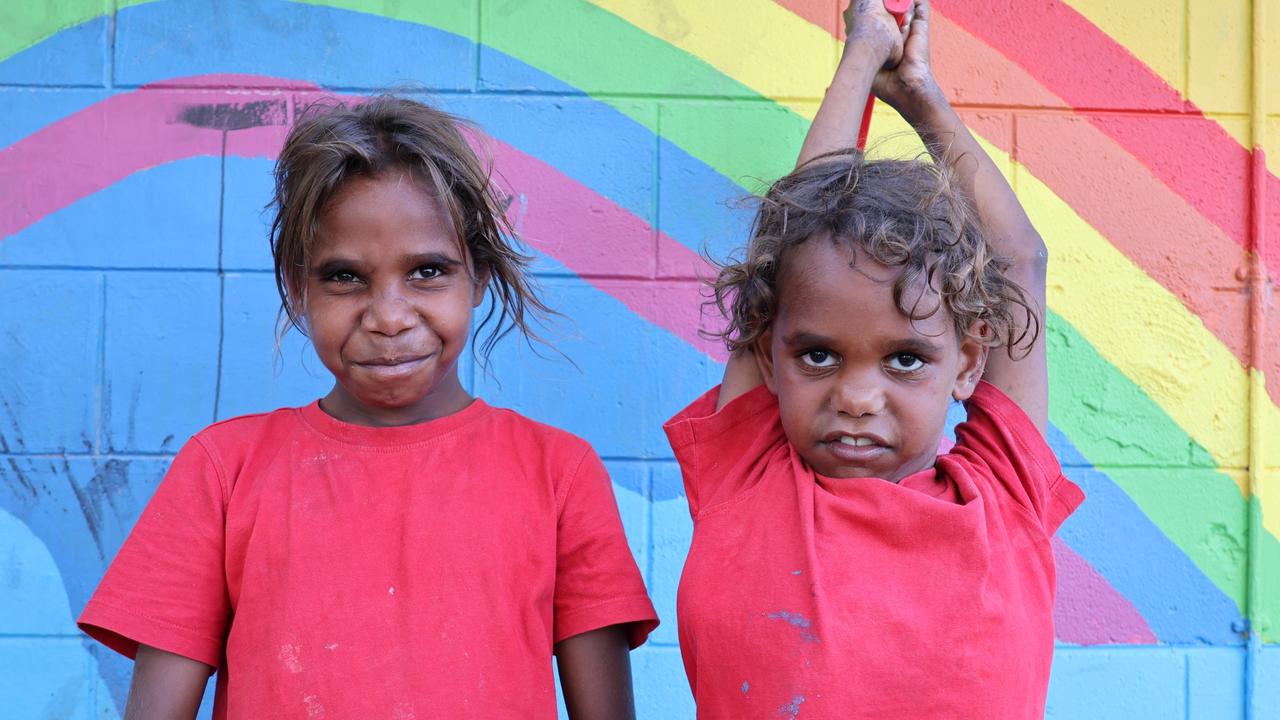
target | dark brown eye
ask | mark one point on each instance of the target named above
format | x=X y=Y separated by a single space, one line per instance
x=818 y=359
x=428 y=272
x=905 y=363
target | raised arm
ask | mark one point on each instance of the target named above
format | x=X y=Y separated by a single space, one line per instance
x=911 y=90
x=874 y=45
x=874 y=42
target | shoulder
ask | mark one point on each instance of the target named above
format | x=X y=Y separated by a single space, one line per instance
x=723 y=452
x=996 y=422
x=231 y=440
x=1006 y=450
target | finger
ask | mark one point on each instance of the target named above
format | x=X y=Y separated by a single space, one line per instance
x=917 y=43
x=921 y=9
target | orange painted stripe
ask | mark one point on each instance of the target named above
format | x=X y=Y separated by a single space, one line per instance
x=1144 y=218
x=1087 y=68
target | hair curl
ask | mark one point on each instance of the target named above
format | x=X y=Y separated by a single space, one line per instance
x=907 y=214
x=334 y=142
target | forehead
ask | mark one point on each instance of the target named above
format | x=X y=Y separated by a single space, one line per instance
x=391 y=208
x=826 y=285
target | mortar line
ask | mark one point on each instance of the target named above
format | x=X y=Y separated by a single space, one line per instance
x=110 y=80
x=1257 y=390
x=222 y=278
x=656 y=228
x=479 y=43
x=1186 y=51
x=99 y=435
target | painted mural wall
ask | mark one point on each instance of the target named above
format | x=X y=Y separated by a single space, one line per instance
x=137 y=304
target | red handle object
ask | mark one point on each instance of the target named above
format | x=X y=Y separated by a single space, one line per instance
x=899 y=10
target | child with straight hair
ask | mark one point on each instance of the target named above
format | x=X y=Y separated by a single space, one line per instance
x=398 y=548
x=840 y=567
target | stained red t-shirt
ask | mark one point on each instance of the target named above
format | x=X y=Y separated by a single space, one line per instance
x=814 y=597
x=334 y=570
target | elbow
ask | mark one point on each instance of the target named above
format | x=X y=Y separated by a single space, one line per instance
x=1031 y=252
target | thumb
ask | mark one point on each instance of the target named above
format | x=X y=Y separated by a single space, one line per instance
x=916 y=46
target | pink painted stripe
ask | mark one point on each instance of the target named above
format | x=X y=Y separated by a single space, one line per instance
x=590 y=234
x=1089 y=611
x=127 y=133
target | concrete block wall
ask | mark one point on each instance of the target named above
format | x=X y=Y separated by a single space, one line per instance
x=137 y=304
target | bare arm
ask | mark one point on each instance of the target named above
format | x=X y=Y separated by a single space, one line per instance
x=165 y=686
x=595 y=675
x=874 y=43
x=910 y=88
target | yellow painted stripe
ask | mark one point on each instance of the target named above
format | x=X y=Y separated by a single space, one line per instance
x=1132 y=321
x=1201 y=48
x=1137 y=325
x=758 y=43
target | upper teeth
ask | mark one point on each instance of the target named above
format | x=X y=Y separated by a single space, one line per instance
x=846 y=440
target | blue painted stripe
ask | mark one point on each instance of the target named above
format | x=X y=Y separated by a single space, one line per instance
x=704 y=220
x=1109 y=530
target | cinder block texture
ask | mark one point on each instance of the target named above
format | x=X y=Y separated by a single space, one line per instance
x=137 y=302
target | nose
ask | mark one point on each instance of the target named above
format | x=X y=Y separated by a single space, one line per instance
x=389 y=313
x=858 y=397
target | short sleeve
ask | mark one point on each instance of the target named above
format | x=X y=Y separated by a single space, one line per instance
x=999 y=435
x=597 y=581
x=722 y=452
x=166 y=588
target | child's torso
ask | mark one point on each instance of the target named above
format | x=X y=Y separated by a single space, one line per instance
x=859 y=598
x=367 y=578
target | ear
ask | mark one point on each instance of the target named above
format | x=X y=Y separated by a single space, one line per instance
x=762 y=351
x=298 y=304
x=480 y=286
x=973 y=362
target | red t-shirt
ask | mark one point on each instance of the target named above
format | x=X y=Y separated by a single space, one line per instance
x=334 y=570
x=814 y=597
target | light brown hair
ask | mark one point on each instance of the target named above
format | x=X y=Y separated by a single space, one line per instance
x=334 y=142
x=907 y=214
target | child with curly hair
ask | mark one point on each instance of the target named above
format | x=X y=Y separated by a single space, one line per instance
x=840 y=567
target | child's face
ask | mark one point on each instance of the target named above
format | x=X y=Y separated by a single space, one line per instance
x=863 y=390
x=389 y=301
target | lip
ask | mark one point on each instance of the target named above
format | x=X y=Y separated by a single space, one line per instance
x=856 y=454
x=393 y=366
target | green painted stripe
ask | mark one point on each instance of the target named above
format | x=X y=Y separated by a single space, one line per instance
x=754 y=139
x=26 y=24
x=1265 y=614
x=1100 y=409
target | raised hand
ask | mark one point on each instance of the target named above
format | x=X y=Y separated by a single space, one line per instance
x=907 y=83
x=868 y=24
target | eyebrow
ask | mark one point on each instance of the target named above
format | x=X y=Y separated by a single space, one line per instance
x=917 y=345
x=330 y=265
x=803 y=338
x=432 y=258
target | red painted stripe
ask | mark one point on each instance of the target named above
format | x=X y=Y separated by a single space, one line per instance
x=590 y=234
x=1080 y=63
x=587 y=232
x=1123 y=198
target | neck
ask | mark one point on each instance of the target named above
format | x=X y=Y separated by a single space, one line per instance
x=445 y=398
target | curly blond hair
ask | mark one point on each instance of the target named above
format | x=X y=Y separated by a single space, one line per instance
x=908 y=214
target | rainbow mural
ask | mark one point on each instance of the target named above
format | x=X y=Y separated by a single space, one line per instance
x=136 y=141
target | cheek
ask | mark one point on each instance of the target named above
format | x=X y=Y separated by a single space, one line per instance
x=452 y=318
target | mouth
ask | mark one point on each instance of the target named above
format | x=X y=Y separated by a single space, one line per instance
x=856 y=448
x=393 y=366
